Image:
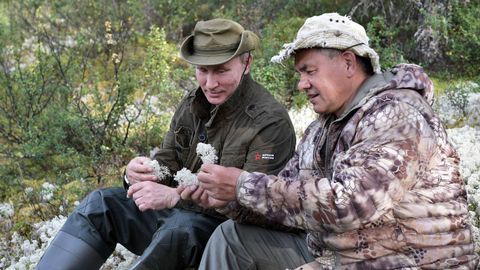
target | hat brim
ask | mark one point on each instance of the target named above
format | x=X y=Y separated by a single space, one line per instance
x=323 y=40
x=248 y=42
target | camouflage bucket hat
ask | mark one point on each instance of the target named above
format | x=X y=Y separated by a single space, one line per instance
x=331 y=30
x=217 y=41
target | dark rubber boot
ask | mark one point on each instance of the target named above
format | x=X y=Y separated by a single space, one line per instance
x=67 y=252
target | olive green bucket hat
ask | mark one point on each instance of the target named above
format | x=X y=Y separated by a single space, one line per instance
x=216 y=41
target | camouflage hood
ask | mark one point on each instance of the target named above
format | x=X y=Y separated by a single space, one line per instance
x=402 y=76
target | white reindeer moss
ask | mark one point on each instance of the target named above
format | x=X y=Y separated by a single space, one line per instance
x=207 y=154
x=185 y=177
x=160 y=171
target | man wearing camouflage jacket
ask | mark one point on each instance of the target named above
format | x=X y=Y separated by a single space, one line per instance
x=374 y=181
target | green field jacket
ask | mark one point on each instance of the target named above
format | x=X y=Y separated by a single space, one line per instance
x=251 y=131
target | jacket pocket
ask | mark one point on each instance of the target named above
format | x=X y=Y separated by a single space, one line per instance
x=183 y=142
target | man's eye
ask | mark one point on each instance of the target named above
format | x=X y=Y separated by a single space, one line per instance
x=310 y=72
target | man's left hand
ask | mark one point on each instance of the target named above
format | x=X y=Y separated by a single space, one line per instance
x=199 y=196
x=151 y=195
x=219 y=182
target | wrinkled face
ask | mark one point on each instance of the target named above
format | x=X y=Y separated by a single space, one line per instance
x=324 y=80
x=219 y=82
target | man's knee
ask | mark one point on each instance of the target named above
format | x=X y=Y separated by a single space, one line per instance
x=224 y=235
x=181 y=236
x=225 y=250
x=89 y=221
x=101 y=200
x=174 y=247
x=225 y=229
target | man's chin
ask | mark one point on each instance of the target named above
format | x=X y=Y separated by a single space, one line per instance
x=318 y=110
x=216 y=100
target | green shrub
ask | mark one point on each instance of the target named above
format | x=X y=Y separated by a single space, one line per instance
x=279 y=79
x=463 y=39
x=383 y=39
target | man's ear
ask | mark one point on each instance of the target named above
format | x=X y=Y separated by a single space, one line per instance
x=249 y=64
x=350 y=63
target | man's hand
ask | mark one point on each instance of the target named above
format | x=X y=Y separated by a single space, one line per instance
x=219 y=182
x=199 y=196
x=138 y=171
x=151 y=195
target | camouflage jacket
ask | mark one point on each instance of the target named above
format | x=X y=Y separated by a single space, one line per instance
x=377 y=188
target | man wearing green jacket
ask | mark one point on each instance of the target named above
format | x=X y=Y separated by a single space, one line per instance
x=248 y=128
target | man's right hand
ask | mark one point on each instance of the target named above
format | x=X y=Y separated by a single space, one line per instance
x=138 y=171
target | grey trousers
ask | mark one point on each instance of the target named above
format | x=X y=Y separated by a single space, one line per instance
x=168 y=239
x=235 y=246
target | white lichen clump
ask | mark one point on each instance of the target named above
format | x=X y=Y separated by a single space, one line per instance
x=160 y=171
x=207 y=154
x=19 y=252
x=47 y=191
x=185 y=177
x=6 y=211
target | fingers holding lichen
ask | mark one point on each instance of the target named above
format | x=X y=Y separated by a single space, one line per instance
x=185 y=177
x=160 y=171
x=207 y=154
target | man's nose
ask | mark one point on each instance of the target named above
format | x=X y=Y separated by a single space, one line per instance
x=211 y=82
x=303 y=84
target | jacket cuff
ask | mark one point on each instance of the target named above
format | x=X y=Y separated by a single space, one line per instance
x=241 y=178
x=126 y=183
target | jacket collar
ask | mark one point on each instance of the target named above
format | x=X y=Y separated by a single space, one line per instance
x=203 y=109
x=370 y=87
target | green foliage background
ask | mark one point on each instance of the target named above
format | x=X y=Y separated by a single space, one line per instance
x=87 y=85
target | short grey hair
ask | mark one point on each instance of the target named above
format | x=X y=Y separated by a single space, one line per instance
x=364 y=62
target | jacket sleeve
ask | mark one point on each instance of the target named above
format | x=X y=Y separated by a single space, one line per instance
x=268 y=152
x=246 y=215
x=271 y=147
x=377 y=169
x=166 y=154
